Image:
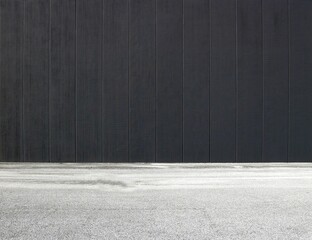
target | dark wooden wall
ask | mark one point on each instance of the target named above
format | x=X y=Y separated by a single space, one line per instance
x=156 y=80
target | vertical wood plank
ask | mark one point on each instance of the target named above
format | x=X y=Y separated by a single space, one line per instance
x=169 y=71
x=63 y=81
x=300 y=144
x=250 y=84
x=36 y=81
x=115 y=81
x=223 y=81
x=11 y=55
x=142 y=80
x=275 y=75
x=196 y=81
x=89 y=79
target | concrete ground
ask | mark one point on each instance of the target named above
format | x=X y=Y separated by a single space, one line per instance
x=155 y=201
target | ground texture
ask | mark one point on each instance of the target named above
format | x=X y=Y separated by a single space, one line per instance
x=155 y=201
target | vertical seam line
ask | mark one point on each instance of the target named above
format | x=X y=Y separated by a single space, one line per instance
x=101 y=87
x=76 y=83
x=155 y=160
x=289 y=50
x=22 y=155
x=209 y=84
x=236 y=81
x=49 y=82
x=263 y=119
x=129 y=103
x=183 y=63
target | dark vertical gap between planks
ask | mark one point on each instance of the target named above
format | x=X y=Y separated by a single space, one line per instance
x=128 y=75
x=288 y=120
x=183 y=80
x=262 y=38
x=76 y=84
x=155 y=160
x=22 y=142
x=102 y=83
x=49 y=82
x=129 y=82
x=236 y=78
x=209 y=87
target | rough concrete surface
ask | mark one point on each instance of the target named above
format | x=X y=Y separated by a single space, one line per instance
x=155 y=201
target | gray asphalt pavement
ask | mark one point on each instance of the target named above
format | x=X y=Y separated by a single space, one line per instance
x=155 y=201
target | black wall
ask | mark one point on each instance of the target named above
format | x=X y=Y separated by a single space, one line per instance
x=156 y=80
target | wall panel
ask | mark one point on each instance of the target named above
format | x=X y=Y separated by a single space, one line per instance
x=155 y=80
x=249 y=81
x=11 y=74
x=62 y=89
x=196 y=81
x=223 y=81
x=275 y=80
x=169 y=80
x=115 y=81
x=36 y=81
x=300 y=132
x=89 y=79
x=142 y=80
